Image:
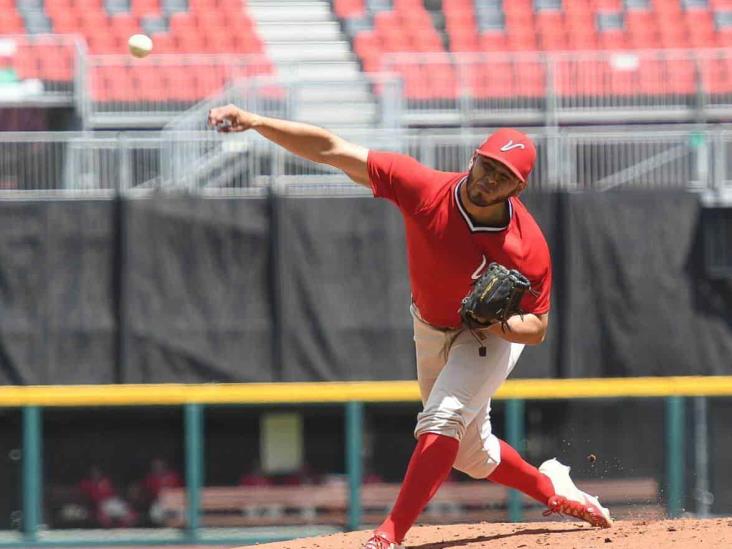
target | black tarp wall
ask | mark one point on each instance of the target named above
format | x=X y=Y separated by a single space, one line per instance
x=295 y=288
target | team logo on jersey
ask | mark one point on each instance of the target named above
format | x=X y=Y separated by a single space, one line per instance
x=511 y=146
x=476 y=274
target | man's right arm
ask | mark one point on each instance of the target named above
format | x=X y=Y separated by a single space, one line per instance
x=304 y=140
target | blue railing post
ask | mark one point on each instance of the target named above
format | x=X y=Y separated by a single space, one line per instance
x=32 y=471
x=516 y=438
x=193 y=426
x=675 y=455
x=354 y=462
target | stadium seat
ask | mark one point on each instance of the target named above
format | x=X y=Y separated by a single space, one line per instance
x=103 y=42
x=141 y=8
x=714 y=75
x=530 y=79
x=493 y=41
x=578 y=78
x=681 y=77
x=349 y=8
x=26 y=63
x=613 y=40
x=11 y=23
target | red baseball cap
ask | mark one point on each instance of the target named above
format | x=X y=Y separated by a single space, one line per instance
x=513 y=149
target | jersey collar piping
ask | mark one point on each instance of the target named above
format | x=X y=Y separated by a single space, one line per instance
x=479 y=228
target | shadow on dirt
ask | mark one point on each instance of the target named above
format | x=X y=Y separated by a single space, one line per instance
x=465 y=541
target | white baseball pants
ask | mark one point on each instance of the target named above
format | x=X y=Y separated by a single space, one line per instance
x=456 y=385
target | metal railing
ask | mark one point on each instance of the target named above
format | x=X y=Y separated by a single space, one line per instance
x=565 y=87
x=236 y=160
x=195 y=399
x=41 y=69
x=121 y=91
x=693 y=157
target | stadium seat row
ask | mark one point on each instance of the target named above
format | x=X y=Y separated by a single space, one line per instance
x=504 y=79
x=152 y=82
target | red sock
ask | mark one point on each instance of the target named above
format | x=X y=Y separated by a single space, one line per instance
x=429 y=467
x=514 y=472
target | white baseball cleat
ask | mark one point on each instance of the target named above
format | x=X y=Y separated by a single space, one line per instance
x=378 y=542
x=570 y=500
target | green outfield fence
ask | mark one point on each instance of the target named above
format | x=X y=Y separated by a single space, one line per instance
x=352 y=395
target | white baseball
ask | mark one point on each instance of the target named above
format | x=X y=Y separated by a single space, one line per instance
x=140 y=45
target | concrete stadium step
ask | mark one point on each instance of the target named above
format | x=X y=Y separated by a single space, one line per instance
x=322 y=70
x=296 y=32
x=289 y=12
x=352 y=114
x=334 y=92
x=309 y=51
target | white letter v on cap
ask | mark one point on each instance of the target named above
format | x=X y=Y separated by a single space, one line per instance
x=511 y=145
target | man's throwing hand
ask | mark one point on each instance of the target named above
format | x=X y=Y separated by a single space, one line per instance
x=231 y=118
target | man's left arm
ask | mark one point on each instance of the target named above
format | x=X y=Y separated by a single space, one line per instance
x=529 y=329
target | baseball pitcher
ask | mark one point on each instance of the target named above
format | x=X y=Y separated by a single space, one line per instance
x=481 y=277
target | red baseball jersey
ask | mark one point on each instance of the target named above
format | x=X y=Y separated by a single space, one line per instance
x=446 y=250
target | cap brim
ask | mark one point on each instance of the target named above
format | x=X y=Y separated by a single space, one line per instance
x=497 y=158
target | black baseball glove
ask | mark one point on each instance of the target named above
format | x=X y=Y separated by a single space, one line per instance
x=495 y=297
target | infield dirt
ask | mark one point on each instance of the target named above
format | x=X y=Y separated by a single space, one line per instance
x=640 y=534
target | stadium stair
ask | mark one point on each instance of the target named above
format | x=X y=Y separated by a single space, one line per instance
x=307 y=44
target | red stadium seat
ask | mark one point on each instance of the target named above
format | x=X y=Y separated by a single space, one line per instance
x=163 y=43
x=442 y=81
x=66 y=23
x=673 y=36
x=26 y=63
x=681 y=76
x=182 y=23
x=613 y=40
x=93 y=22
x=97 y=87
x=519 y=20
x=640 y=19
x=86 y=6
x=724 y=37
x=553 y=41
x=212 y=20
x=104 y=42
x=220 y=43
x=530 y=79
x=582 y=39
x=121 y=87
x=348 y=8
x=248 y=43
x=643 y=39
x=522 y=41
x=149 y=82
x=11 y=23
x=189 y=42
x=124 y=24
x=586 y=78
x=493 y=41
x=715 y=75
x=609 y=5
x=56 y=65
x=651 y=77
x=209 y=81
x=489 y=80
x=465 y=42
x=549 y=21
x=177 y=83
x=53 y=7
x=141 y=8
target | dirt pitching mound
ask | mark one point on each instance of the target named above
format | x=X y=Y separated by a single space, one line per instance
x=675 y=534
